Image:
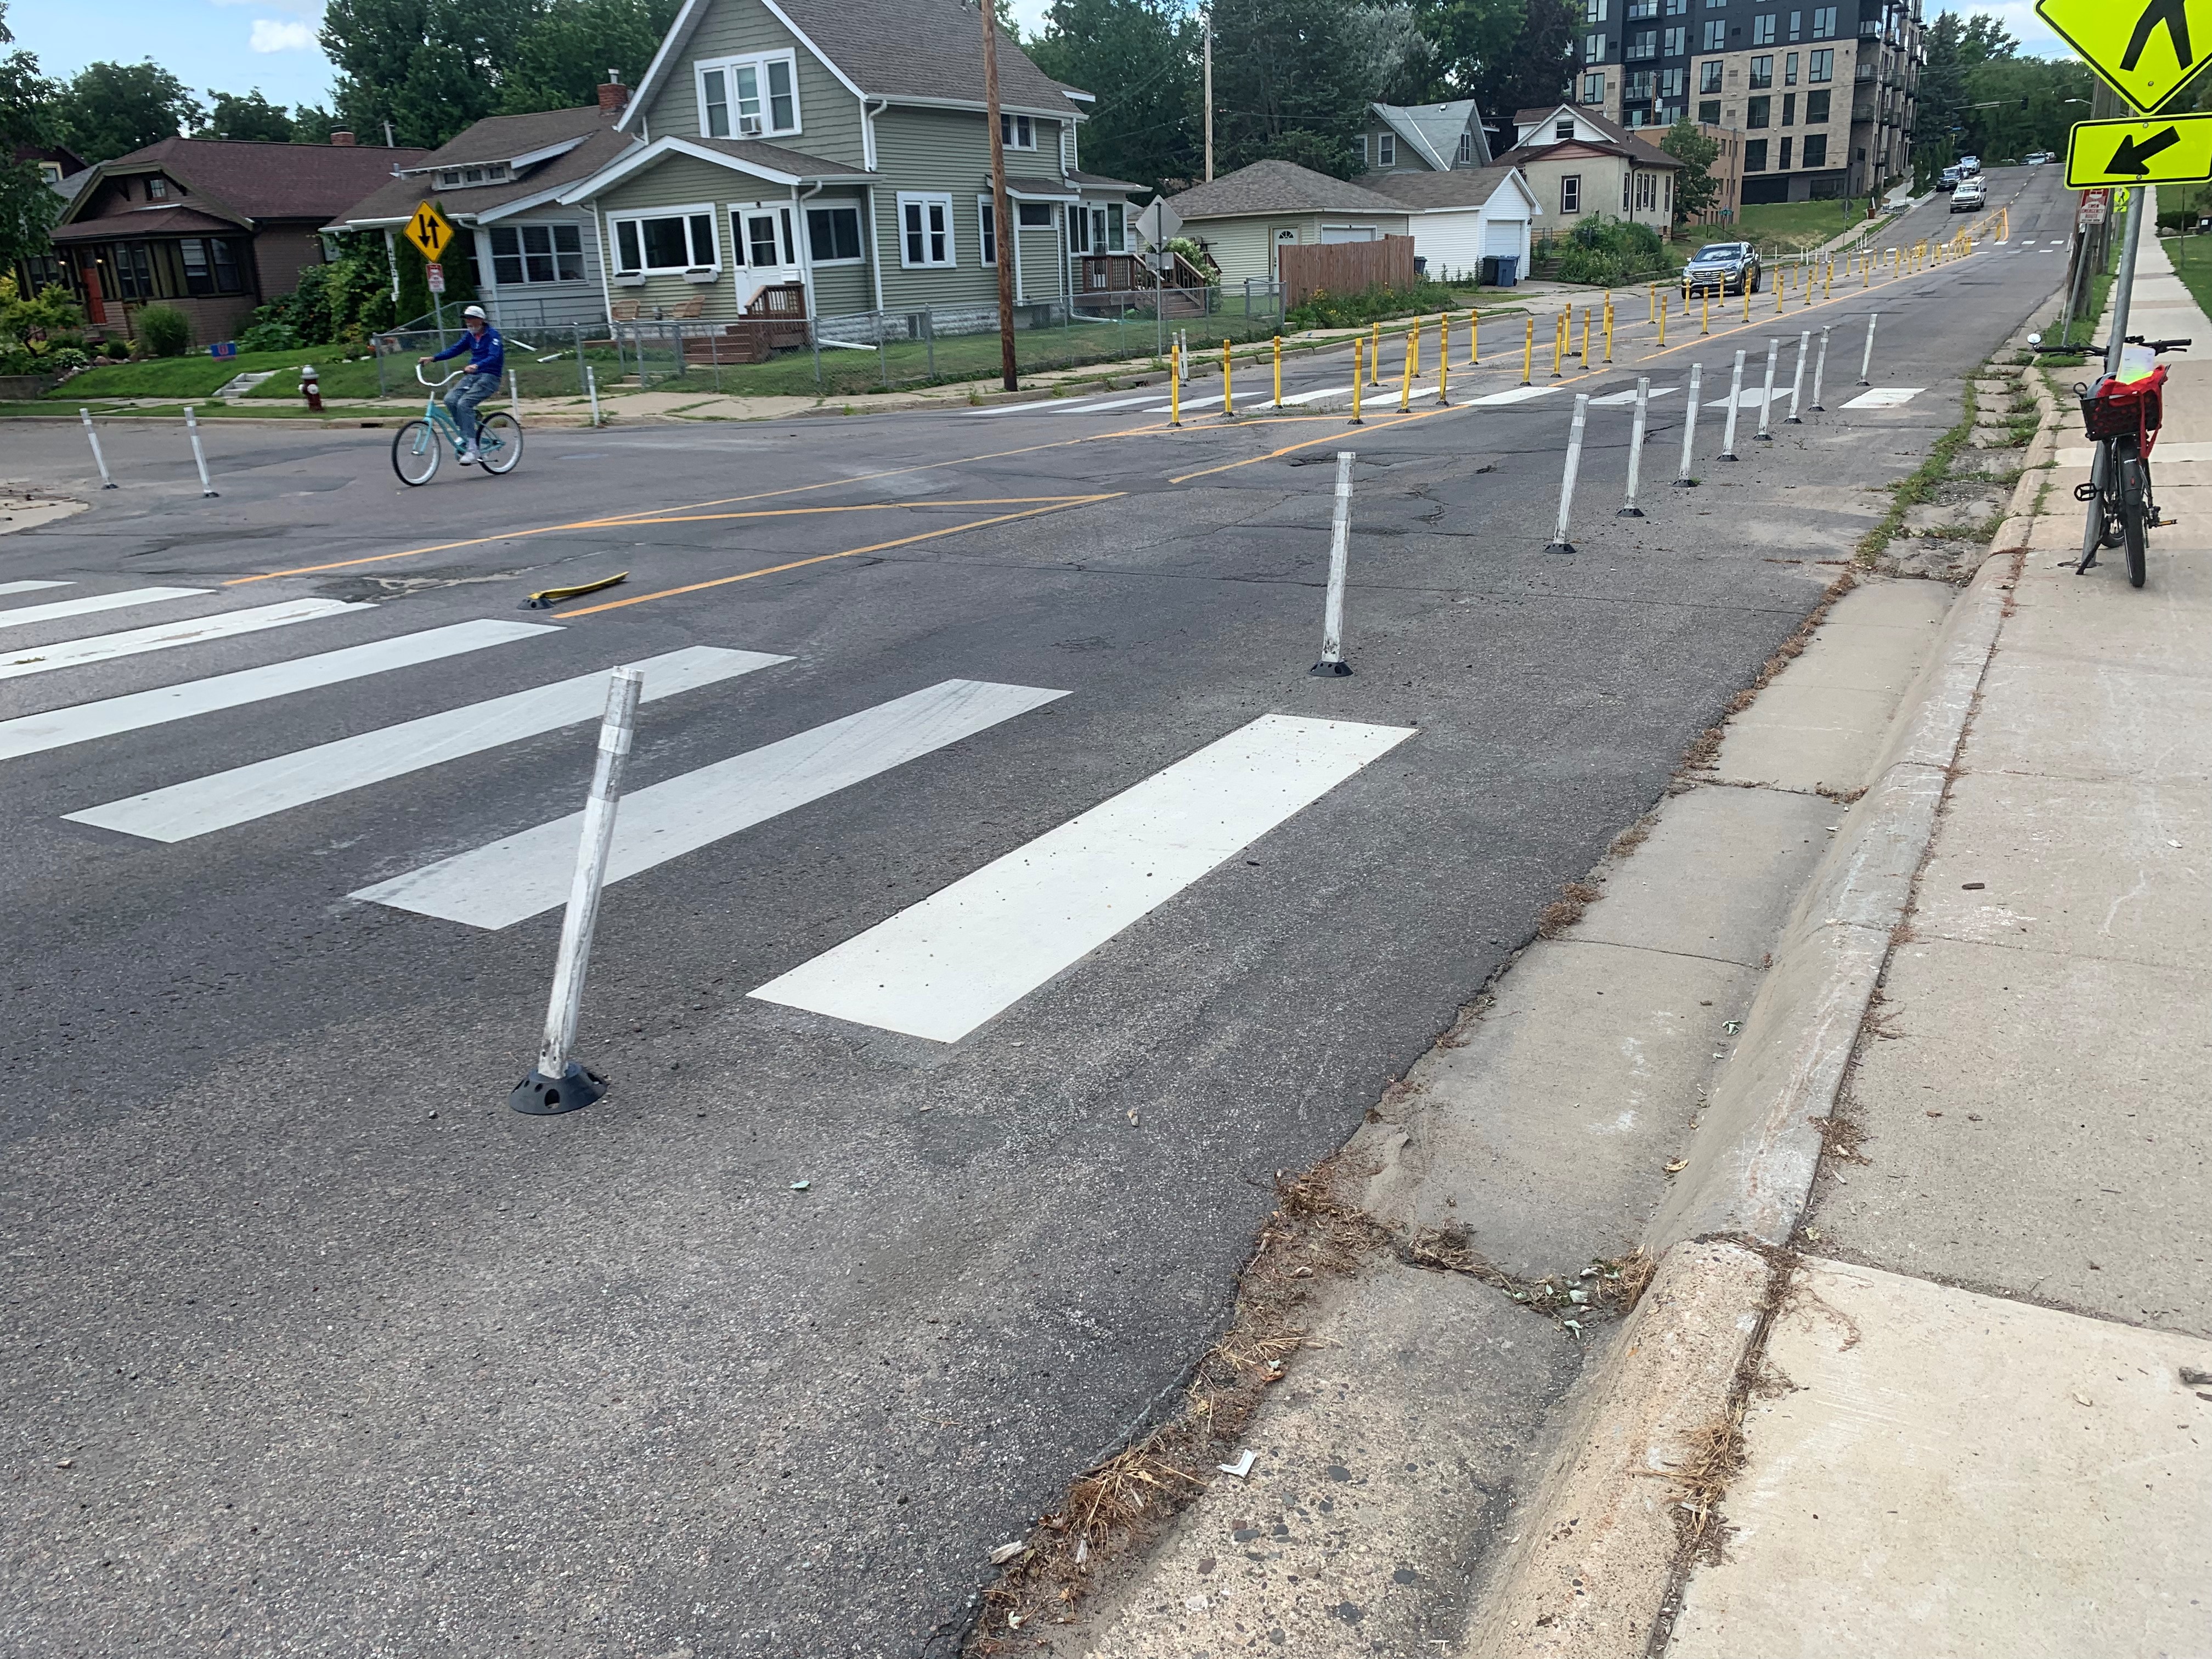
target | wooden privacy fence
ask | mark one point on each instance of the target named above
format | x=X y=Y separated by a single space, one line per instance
x=1308 y=268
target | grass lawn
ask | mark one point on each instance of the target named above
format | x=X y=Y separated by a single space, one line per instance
x=193 y=376
x=1787 y=226
x=2192 y=262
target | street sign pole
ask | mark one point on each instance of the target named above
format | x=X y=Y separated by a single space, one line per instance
x=2124 y=289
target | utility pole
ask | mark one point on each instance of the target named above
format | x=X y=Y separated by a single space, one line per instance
x=1001 y=230
x=1209 y=99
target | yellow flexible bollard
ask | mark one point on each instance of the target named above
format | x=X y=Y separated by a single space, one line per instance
x=1586 y=325
x=1863 y=277
x=1228 y=392
x=1608 y=325
x=1528 y=354
x=1474 y=339
x=1559 y=343
x=1705 y=297
x=1443 y=365
x=1175 y=383
x=1405 y=379
x=1781 y=288
x=1746 y=299
x=1358 y=377
x=1828 y=283
x=1375 y=357
x=1650 y=302
x=1413 y=348
x=1278 y=371
x=1662 y=319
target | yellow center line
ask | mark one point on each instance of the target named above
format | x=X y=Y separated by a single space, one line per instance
x=850 y=552
x=602 y=524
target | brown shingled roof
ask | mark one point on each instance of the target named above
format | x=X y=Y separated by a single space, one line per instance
x=1278 y=187
x=267 y=181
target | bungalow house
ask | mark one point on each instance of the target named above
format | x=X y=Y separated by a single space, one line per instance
x=1578 y=164
x=837 y=150
x=1243 y=217
x=1425 y=137
x=1464 y=214
x=213 y=226
x=61 y=170
x=534 y=262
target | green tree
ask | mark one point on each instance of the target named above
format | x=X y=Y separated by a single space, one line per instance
x=429 y=67
x=108 y=110
x=1288 y=83
x=1694 y=189
x=1399 y=62
x=1140 y=59
x=1508 y=55
x=313 y=125
x=564 y=55
x=1984 y=40
x=2019 y=104
x=1943 y=99
x=245 y=115
x=27 y=206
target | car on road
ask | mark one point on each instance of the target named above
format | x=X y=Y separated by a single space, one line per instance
x=1949 y=180
x=1970 y=197
x=1970 y=166
x=2036 y=158
x=1723 y=268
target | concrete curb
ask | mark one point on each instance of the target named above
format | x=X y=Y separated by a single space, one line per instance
x=1593 y=1571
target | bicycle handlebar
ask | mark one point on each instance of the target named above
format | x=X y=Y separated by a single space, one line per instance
x=435 y=385
x=2035 y=343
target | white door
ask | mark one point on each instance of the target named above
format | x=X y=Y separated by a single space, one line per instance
x=1288 y=238
x=767 y=246
x=1503 y=236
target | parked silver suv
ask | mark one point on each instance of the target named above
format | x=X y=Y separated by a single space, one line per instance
x=1722 y=267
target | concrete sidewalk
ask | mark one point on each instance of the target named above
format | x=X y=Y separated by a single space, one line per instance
x=1981 y=1423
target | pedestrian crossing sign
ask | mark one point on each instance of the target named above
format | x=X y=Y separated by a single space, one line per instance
x=2145 y=49
x=430 y=232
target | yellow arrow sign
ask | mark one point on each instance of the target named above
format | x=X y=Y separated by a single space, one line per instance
x=2174 y=150
x=2146 y=49
x=430 y=231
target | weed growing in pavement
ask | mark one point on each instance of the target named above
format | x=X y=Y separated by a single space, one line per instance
x=1919 y=485
x=1565 y=911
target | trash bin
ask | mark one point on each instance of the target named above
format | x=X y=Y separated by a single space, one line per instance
x=1509 y=270
x=1489 y=271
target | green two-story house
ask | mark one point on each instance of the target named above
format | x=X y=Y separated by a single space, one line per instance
x=841 y=146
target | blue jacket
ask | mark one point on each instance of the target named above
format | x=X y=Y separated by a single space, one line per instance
x=487 y=351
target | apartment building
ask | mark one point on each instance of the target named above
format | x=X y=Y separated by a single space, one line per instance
x=1824 y=98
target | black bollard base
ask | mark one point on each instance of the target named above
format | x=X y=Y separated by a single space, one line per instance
x=547 y=1096
x=1630 y=513
x=1559 y=547
x=1686 y=484
x=1333 y=671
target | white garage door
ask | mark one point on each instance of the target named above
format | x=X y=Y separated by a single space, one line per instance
x=1349 y=233
x=1502 y=236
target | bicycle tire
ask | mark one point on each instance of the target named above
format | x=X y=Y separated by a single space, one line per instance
x=415 y=445
x=499 y=443
x=2135 y=505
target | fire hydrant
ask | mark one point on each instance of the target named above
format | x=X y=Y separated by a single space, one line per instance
x=311 y=388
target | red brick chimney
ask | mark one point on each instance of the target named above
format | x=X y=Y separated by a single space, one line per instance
x=342 y=139
x=614 y=97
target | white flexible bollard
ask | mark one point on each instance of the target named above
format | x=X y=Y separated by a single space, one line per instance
x=1331 y=665
x=1797 y=378
x=1735 y=402
x=199 y=456
x=1820 y=368
x=1865 y=358
x=1559 y=544
x=560 y=1083
x=1682 y=478
x=1767 y=398
x=99 y=459
x=591 y=389
x=1628 y=507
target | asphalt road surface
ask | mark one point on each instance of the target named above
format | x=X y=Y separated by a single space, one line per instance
x=1001 y=904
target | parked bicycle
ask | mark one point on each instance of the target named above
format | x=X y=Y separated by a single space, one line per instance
x=415 y=448
x=2122 y=418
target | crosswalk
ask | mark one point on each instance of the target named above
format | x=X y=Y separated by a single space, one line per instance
x=937 y=970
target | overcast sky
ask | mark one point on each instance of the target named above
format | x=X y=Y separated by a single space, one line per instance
x=237 y=44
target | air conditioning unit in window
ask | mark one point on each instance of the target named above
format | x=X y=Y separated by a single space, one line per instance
x=749 y=126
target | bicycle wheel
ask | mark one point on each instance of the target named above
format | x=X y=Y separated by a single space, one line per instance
x=415 y=453
x=2135 y=505
x=499 y=442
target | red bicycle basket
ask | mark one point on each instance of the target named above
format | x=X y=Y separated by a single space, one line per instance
x=2114 y=410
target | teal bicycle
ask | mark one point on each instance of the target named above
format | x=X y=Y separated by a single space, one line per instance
x=416 y=449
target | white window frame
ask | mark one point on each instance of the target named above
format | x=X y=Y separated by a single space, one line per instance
x=615 y=221
x=860 y=227
x=987 y=234
x=1386 y=149
x=1466 y=147
x=925 y=199
x=1016 y=132
x=787 y=233
x=522 y=255
x=1570 y=193
x=758 y=62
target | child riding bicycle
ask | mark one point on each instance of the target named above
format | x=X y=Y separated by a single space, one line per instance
x=487 y=361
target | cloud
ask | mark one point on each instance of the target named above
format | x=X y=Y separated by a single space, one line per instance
x=269 y=36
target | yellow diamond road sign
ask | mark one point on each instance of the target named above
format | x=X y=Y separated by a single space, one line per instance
x=429 y=232
x=2173 y=149
x=2147 y=49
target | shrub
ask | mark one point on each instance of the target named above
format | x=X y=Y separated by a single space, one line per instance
x=270 y=337
x=1321 y=309
x=1579 y=264
x=167 y=331
x=1197 y=256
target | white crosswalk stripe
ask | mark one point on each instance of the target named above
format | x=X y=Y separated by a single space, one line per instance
x=102 y=647
x=86 y=604
x=1617 y=399
x=29 y=587
x=244 y=794
x=30 y=734
x=1519 y=394
x=507 y=881
x=941 y=967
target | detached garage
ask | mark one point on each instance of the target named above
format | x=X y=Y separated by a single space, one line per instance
x=1462 y=217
